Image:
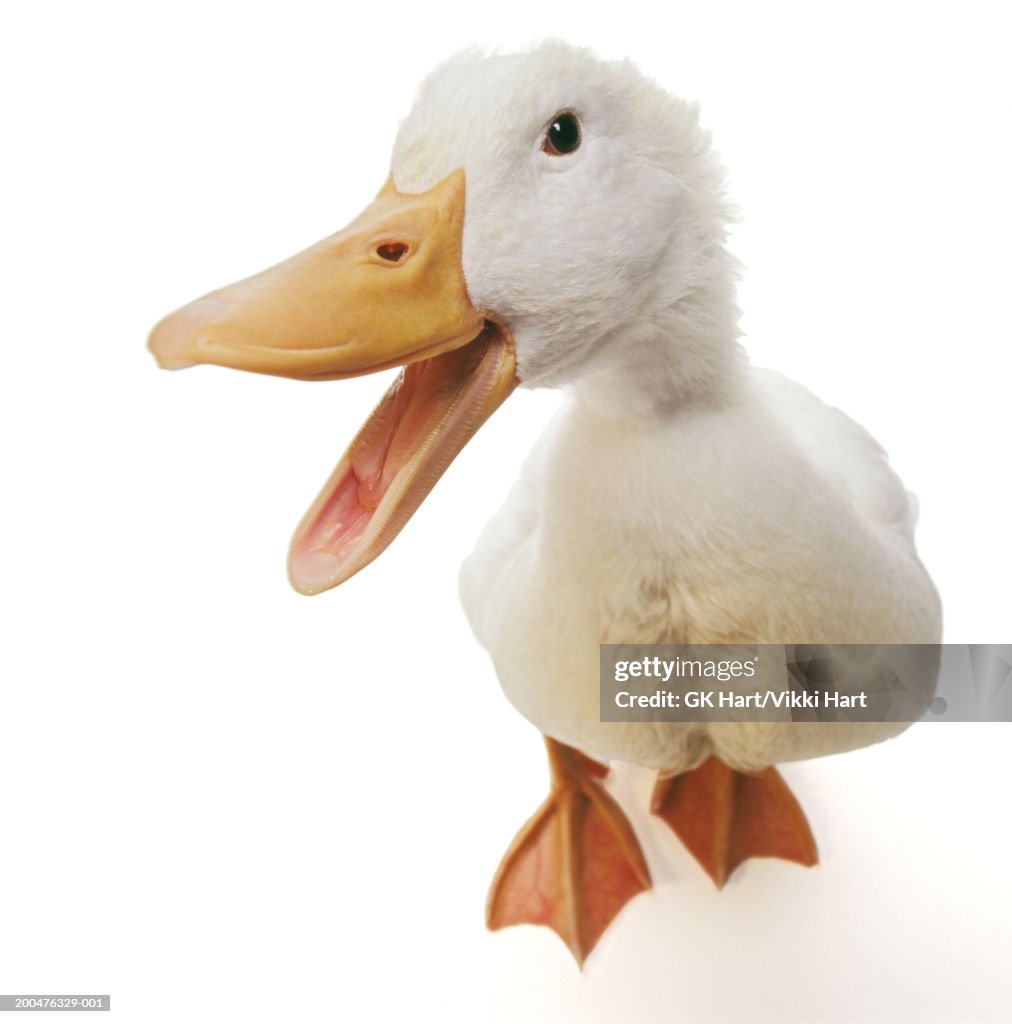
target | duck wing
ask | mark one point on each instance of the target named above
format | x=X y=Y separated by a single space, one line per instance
x=842 y=452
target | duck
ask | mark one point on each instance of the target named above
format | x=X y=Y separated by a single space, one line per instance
x=554 y=219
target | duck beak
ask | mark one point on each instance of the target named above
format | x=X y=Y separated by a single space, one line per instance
x=386 y=291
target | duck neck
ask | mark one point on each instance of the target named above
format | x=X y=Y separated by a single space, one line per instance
x=682 y=354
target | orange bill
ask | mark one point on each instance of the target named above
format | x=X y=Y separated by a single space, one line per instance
x=388 y=290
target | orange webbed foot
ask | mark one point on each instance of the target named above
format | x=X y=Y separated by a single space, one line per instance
x=724 y=817
x=575 y=864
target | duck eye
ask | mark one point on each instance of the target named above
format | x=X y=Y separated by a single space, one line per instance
x=563 y=135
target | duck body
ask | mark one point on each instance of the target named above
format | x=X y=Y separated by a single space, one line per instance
x=552 y=219
x=763 y=516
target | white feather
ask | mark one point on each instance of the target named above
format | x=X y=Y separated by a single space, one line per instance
x=680 y=495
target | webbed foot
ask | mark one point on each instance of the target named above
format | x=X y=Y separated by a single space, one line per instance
x=575 y=864
x=724 y=817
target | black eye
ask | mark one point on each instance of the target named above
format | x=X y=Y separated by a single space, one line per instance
x=563 y=135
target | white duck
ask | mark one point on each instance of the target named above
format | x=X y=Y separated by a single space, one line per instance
x=552 y=219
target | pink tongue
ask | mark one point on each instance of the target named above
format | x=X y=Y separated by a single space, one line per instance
x=342 y=520
x=425 y=418
x=387 y=440
x=370 y=465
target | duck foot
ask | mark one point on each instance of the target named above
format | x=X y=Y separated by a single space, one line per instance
x=724 y=817
x=575 y=864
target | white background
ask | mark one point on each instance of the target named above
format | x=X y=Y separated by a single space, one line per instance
x=220 y=801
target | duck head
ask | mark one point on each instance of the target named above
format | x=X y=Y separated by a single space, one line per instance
x=549 y=218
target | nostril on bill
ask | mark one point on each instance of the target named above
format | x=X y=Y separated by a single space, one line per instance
x=392 y=251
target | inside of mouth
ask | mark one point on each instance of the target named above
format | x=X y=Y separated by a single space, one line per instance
x=421 y=423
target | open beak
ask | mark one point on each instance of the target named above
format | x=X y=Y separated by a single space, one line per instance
x=386 y=291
